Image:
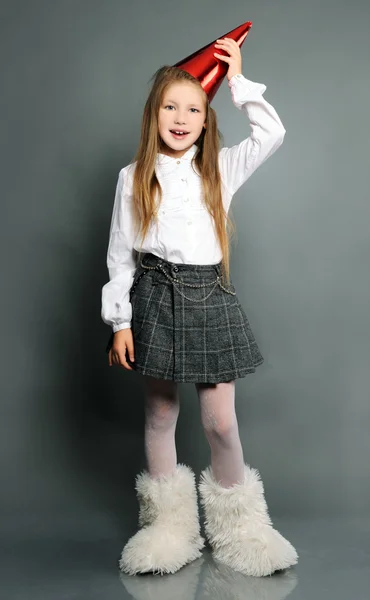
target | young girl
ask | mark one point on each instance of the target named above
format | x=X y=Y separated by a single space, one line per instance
x=176 y=317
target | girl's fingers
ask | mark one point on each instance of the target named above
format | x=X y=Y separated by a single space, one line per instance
x=227 y=39
x=228 y=42
x=123 y=362
x=225 y=58
x=232 y=51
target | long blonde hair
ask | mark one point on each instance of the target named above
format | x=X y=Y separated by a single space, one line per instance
x=145 y=181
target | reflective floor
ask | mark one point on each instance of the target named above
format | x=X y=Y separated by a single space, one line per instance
x=334 y=562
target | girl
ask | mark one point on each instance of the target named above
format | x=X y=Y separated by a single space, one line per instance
x=173 y=288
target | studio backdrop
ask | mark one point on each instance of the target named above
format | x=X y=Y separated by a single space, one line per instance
x=75 y=76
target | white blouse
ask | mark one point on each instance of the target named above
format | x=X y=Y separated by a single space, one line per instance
x=183 y=232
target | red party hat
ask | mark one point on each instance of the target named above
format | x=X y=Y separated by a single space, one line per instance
x=206 y=67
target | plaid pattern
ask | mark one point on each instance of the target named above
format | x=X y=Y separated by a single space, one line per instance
x=192 y=339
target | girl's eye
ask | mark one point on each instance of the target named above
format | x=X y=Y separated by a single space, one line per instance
x=170 y=105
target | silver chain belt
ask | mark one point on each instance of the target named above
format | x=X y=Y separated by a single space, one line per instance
x=216 y=281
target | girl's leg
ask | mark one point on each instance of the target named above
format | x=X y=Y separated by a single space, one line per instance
x=169 y=530
x=217 y=406
x=237 y=523
x=162 y=407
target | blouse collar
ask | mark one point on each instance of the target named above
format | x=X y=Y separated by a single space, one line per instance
x=164 y=159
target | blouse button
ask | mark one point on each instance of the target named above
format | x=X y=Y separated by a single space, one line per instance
x=190 y=222
x=178 y=162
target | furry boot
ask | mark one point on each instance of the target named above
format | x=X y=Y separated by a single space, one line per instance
x=169 y=536
x=239 y=528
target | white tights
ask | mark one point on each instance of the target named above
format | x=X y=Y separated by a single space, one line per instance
x=217 y=409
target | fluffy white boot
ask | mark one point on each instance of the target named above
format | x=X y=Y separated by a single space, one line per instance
x=169 y=536
x=239 y=528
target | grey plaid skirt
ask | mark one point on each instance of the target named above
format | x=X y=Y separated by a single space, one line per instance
x=187 y=326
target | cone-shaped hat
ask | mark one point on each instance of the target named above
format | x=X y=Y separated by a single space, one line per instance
x=206 y=67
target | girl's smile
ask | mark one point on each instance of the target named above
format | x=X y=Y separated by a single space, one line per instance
x=179 y=136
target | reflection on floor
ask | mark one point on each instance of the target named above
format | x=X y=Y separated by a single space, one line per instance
x=334 y=562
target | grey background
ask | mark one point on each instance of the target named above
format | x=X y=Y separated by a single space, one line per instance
x=74 y=81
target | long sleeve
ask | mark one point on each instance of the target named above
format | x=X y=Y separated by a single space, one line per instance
x=267 y=133
x=116 y=309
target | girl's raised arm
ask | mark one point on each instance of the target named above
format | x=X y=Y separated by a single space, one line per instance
x=267 y=133
x=116 y=309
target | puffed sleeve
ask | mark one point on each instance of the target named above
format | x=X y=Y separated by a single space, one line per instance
x=267 y=133
x=116 y=309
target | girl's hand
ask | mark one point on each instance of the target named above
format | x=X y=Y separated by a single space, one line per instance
x=235 y=58
x=122 y=342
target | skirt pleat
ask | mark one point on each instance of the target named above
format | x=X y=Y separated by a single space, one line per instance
x=189 y=334
x=203 y=337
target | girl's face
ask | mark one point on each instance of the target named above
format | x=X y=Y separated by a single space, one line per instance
x=182 y=109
